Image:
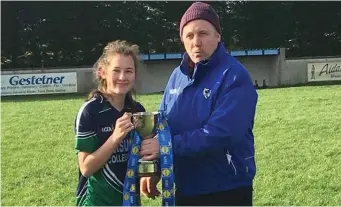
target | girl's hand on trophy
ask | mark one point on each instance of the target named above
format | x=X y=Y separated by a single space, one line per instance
x=137 y=122
x=150 y=149
x=123 y=127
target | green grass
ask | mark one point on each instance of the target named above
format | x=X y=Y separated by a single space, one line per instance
x=297 y=135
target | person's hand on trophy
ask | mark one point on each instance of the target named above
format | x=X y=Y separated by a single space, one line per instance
x=148 y=186
x=150 y=149
x=137 y=121
x=123 y=127
x=148 y=164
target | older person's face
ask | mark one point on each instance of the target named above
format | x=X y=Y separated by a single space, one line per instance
x=200 y=39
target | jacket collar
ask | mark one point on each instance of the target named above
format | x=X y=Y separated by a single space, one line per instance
x=204 y=65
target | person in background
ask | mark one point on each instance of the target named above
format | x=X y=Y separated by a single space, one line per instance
x=210 y=104
x=102 y=126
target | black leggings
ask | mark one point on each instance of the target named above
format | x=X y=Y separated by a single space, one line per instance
x=236 y=197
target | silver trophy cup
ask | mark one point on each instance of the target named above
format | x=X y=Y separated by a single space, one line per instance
x=146 y=125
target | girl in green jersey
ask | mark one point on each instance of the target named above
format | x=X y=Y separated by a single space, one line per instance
x=102 y=126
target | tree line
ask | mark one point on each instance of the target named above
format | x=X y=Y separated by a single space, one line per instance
x=63 y=34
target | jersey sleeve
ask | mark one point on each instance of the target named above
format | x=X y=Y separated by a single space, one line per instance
x=85 y=133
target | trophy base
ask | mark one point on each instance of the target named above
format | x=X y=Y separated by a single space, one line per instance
x=148 y=168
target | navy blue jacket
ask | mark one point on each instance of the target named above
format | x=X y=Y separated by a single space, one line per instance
x=211 y=117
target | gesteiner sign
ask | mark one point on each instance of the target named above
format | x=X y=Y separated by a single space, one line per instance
x=43 y=83
x=324 y=71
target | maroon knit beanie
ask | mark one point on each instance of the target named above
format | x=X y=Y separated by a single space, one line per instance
x=199 y=10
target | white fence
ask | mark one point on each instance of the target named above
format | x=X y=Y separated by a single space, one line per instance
x=152 y=77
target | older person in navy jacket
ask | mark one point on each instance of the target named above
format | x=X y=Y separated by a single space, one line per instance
x=210 y=104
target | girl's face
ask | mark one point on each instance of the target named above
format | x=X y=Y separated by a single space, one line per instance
x=119 y=75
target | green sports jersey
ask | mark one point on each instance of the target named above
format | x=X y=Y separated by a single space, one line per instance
x=94 y=124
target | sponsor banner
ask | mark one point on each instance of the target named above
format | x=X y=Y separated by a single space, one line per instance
x=324 y=71
x=42 y=83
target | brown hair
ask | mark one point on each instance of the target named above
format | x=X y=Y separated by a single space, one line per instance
x=117 y=47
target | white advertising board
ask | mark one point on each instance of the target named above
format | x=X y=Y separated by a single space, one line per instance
x=324 y=71
x=42 y=83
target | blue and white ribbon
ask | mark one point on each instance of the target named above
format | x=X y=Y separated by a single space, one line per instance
x=166 y=162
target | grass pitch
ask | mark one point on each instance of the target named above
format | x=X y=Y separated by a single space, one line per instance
x=297 y=137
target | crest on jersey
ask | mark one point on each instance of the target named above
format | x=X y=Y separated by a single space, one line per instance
x=206 y=92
